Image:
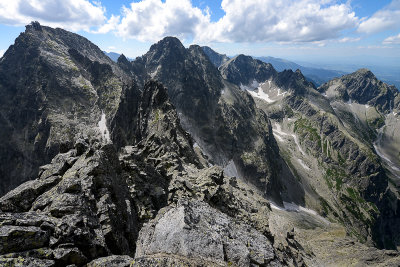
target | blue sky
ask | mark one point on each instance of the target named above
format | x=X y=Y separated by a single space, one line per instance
x=357 y=31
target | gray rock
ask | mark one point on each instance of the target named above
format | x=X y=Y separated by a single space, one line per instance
x=26 y=262
x=193 y=230
x=112 y=261
x=20 y=238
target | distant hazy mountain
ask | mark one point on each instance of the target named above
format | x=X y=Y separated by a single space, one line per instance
x=114 y=56
x=316 y=75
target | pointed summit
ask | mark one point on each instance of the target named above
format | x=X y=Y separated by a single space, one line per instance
x=34 y=25
x=168 y=43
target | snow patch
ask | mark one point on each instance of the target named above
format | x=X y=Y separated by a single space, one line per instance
x=260 y=94
x=276 y=130
x=296 y=140
x=296 y=208
x=105 y=134
x=231 y=170
x=303 y=165
x=279 y=92
x=254 y=84
x=275 y=207
x=154 y=73
x=277 y=136
x=380 y=153
x=388 y=161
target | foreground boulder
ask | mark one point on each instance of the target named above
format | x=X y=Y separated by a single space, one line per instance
x=192 y=233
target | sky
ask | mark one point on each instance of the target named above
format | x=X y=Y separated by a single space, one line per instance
x=315 y=31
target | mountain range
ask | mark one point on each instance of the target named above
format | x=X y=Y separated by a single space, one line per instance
x=186 y=157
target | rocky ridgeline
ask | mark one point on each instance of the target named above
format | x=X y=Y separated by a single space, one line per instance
x=154 y=203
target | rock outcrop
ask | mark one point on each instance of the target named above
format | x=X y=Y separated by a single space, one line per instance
x=78 y=209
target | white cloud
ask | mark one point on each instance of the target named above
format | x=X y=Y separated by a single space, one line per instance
x=244 y=21
x=2 y=51
x=349 y=40
x=281 y=20
x=151 y=20
x=392 y=40
x=70 y=14
x=287 y=21
x=111 y=25
x=384 y=19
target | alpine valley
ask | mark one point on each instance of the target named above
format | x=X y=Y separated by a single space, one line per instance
x=186 y=157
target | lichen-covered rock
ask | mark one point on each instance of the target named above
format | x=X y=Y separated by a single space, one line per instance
x=194 y=230
x=112 y=261
x=19 y=238
x=84 y=214
x=26 y=262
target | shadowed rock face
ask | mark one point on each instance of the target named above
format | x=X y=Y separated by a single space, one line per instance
x=54 y=86
x=216 y=58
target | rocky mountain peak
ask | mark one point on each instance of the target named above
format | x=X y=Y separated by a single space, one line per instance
x=34 y=26
x=243 y=70
x=167 y=44
x=122 y=59
x=365 y=72
x=363 y=87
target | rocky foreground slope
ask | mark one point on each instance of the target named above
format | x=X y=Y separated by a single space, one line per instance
x=123 y=170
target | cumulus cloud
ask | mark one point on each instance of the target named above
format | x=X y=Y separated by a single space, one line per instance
x=2 y=51
x=111 y=25
x=392 y=40
x=281 y=20
x=244 y=21
x=150 y=20
x=70 y=14
x=289 y=21
x=384 y=19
